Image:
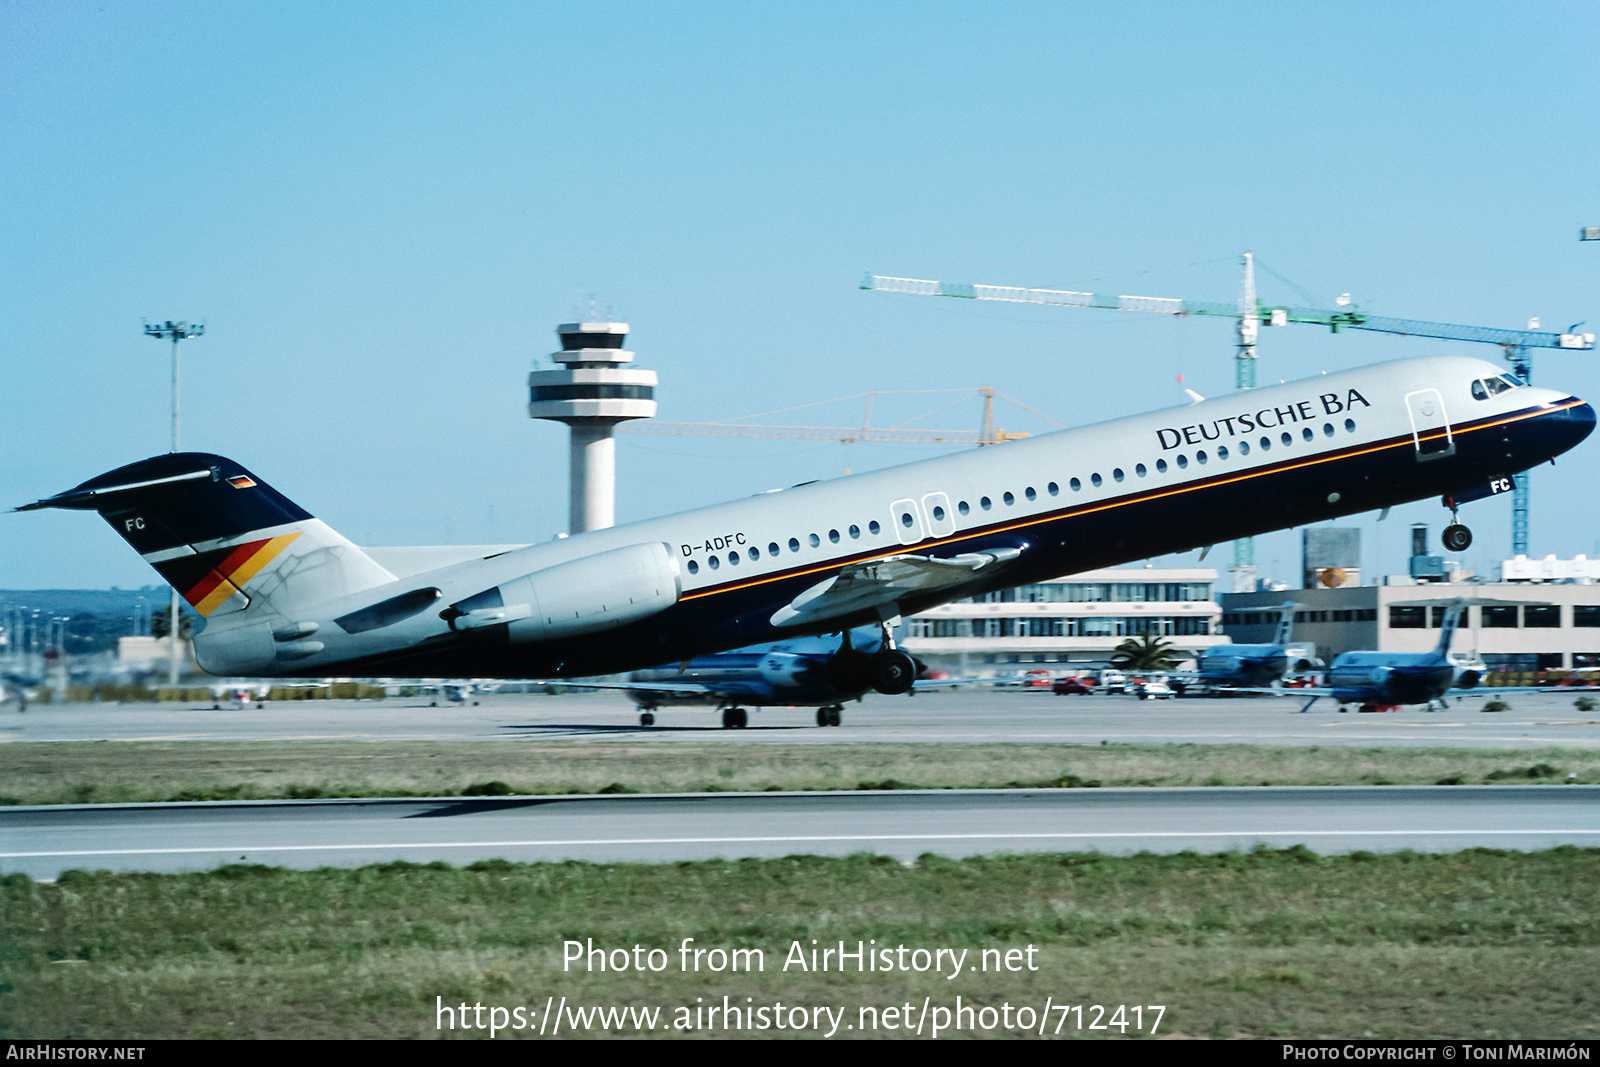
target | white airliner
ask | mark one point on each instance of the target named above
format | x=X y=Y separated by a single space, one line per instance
x=284 y=595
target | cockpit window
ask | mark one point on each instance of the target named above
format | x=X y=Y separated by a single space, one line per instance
x=1484 y=388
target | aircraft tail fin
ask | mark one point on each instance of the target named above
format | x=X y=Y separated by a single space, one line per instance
x=226 y=540
x=1285 y=631
x=1453 y=615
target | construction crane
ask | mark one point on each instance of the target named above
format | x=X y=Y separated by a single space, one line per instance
x=1515 y=344
x=986 y=434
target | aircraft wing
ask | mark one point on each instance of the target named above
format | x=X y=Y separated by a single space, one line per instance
x=881 y=583
x=750 y=692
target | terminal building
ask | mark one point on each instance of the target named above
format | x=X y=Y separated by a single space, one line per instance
x=1540 y=614
x=1070 y=623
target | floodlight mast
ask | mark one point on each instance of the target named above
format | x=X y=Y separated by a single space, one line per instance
x=175 y=332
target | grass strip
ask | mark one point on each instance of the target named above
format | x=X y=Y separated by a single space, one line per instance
x=123 y=772
x=1268 y=943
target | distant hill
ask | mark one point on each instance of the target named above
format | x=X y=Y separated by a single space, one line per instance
x=99 y=616
x=105 y=603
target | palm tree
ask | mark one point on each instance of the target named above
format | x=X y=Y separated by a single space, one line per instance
x=1147 y=653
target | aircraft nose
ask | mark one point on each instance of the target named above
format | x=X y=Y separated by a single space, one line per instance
x=1572 y=425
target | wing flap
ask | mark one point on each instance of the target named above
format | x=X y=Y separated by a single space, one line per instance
x=882 y=583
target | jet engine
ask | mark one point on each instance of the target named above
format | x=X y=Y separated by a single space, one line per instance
x=786 y=670
x=584 y=596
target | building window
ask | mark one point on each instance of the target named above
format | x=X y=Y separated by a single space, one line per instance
x=1586 y=614
x=1399 y=618
x=1500 y=618
x=1542 y=615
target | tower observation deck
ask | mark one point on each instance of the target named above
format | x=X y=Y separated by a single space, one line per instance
x=591 y=393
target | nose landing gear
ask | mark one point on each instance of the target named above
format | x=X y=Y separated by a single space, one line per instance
x=1456 y=537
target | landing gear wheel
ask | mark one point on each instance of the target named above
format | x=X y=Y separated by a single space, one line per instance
x=828 y=715
x=850 y=671
x=1457 y=538
x=647 y=718
x=734 y=718
x=893 y=672
x=822 y=716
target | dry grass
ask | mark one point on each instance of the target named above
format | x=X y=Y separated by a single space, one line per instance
x=1271 y=943
x=101 y=772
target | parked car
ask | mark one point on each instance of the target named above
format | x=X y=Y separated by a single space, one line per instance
x=1153 y=690
x=1072 y=687
x=1038 y=679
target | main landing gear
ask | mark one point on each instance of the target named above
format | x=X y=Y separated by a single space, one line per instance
x=647 y=717
x=734 y=718
x=889 y=670
x=829 y=714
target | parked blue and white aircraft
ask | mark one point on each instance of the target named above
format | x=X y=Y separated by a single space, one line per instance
x=285 y=595
x=1389 y=679
x=1231 y=666
x=796 y=672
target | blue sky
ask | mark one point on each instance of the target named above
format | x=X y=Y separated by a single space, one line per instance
x=381 y=211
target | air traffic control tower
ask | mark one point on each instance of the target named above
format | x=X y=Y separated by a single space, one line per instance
x=591 y=394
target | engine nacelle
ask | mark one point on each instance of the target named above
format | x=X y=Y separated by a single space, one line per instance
x=584 y=596
x=1468 y=679
x=785 y=670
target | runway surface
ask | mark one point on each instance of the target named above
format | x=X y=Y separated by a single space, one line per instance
x=306 y=834
x=974 y=715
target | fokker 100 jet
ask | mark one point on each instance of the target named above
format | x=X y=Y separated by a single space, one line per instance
x=285 y=595
x=1229 y=666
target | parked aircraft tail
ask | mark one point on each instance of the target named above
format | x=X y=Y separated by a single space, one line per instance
x=1285 y=631
x=1447 y=626
x=227 y=541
